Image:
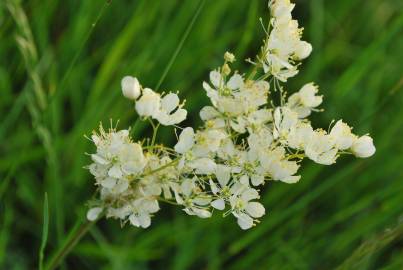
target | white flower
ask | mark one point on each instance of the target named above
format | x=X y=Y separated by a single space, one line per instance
x=149 y=104
x=131 y=88
x=222 y=191
x=261 y=140
x=275 y=163
x=242 y=207
x=170 y=112
x=285 y=120
x=116 y=157
x=208 y=141
x=305 y=100
x=162 y=181
x=245 y=139
x=321 y=148
x=300 y=136
x=341 y=133
x=132 y=159
x=212 y=118
x=363 y=147
x=227 y=149
x=142 y=220
x=166 y=110
x=236 y=96
x=141 y=210
x=284 y=46
x=279 y=67
x=281 y=10
x=195 y=202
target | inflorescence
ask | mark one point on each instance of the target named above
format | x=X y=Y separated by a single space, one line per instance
x=248 y=138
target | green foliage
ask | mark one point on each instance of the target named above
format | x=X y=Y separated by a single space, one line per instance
x=45 y=231
x=60 y=68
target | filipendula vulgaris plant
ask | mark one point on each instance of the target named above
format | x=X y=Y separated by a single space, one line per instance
x=247 y=139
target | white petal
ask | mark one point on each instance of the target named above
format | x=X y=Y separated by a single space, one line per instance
x=363 y=147
x=257 y=180
x=250 y=194
x=303 y=50
x=169 y=102
x=178 y=198
x=151 y=206
x=223 y=174
x=218 y=204
x=134 y=220
x=235 y=82
x=121 y=186
x=177 y=117
x=202 y=213
x=144 y=220
x=115 y=171
x=108 y=182
x=255 y=209
x=208 y=112
x=203 y=165
x=214 y=187
x=186 y=140
x=215 y=78
x=244 y=180
x=98 y=159
x=148 y=104
x=187 y=187
x=245 y=221
x=342 y=135
x=203 y=201
x=291 y=179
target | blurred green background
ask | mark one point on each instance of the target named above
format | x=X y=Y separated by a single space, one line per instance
x=61 y=63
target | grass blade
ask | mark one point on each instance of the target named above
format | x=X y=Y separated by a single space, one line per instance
x=45 y=231
x=180 y=45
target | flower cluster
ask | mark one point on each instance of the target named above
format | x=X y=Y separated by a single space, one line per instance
x=246 y=140
x=283 y=47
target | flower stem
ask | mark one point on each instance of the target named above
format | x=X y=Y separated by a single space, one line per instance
x=155 y=130
x=173 y=162
x=78 y=231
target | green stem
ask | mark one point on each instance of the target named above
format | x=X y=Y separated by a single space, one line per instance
x=167 y=201
x=299 y=156
x=155 y=130
x=181 y=42
x=74 y=237
x=162 y=167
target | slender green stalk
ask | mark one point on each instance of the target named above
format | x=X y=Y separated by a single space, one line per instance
x=77 y=54
x=182 y=41
x=155 y=130
x=45 y=231
x=173 y=162
x=78 y=231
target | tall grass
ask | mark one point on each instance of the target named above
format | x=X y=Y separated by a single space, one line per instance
x=60 y=67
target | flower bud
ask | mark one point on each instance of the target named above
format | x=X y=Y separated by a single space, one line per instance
x=363 y=147
x=229 y=57
x=131 y=87
x=226 y=69
x=303 y=50
x=93 y=213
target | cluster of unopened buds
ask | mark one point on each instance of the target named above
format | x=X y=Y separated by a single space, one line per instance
x=247 y=139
